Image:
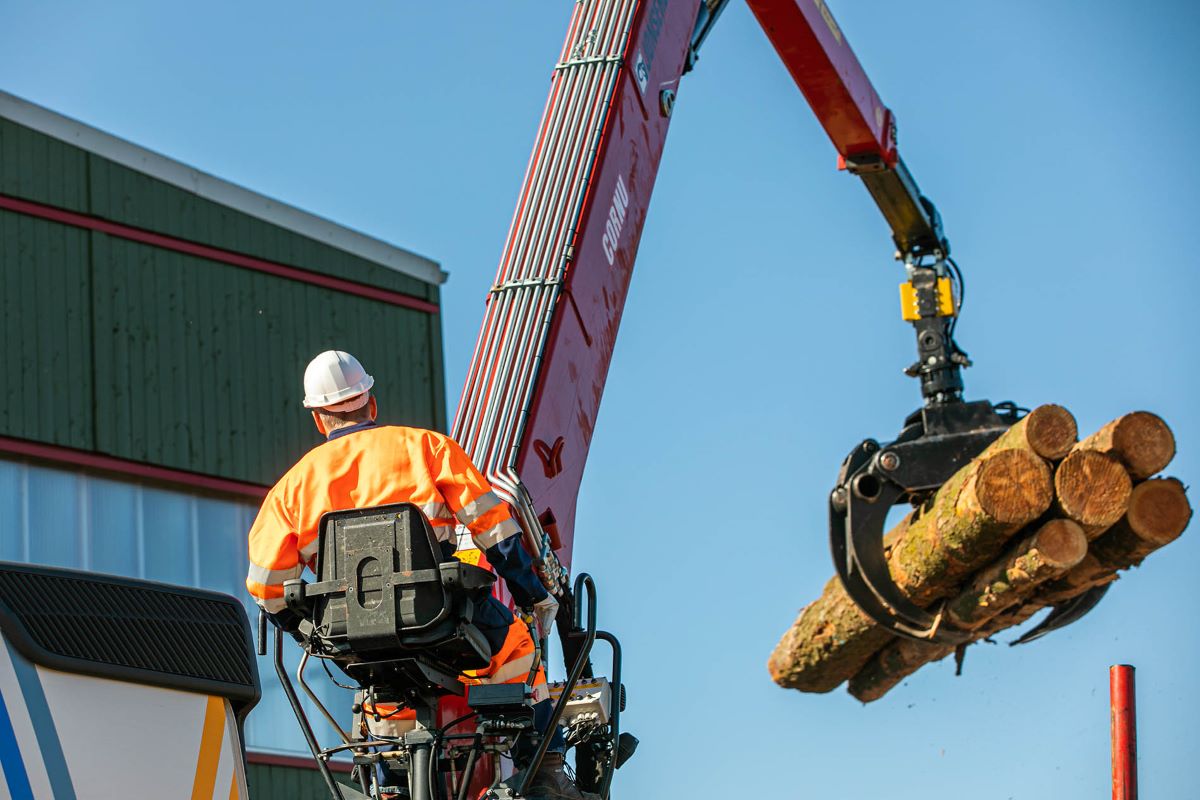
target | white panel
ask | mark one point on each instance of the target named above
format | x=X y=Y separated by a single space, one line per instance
x=124 y=739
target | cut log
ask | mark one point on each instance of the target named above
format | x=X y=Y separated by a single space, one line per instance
x=1056 y=547
x=969 y=521
x=1158 y=513
x=1140 y=440
x=963 y=527
x=903 y=657
x=1091 y=488
x=1086 y=574
x=828 y=642
x=1049 y=431
x=893 y=664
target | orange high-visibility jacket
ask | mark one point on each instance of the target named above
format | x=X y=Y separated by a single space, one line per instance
x=371 y=465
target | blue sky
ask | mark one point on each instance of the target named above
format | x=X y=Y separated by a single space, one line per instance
x=762 y=338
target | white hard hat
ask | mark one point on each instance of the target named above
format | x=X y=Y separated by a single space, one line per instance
x=335 y=381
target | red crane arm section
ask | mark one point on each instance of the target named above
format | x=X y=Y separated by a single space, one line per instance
x=818 y=56
x=812 y=47
x=533 y=389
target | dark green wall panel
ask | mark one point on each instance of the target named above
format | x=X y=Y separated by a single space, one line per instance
x=132 y=198
x=269 y=782
x=36 y=167
x=199 y=364
x=45 y=333
x=156 y=356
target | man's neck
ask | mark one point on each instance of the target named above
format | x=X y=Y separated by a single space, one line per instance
x=346 y=427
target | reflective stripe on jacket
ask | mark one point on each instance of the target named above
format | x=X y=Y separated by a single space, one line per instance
x=374 y=465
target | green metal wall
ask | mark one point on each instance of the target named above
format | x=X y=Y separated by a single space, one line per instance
x=269 y=782
x=151 y=355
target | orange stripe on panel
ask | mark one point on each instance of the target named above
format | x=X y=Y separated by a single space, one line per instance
x=233 y=789
x=210 y=750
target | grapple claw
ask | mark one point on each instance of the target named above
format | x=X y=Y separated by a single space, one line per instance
x=936 y=443
x=1064 y=614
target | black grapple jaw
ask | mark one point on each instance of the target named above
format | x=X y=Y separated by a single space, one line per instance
x=1064 y=614
x=936 y=442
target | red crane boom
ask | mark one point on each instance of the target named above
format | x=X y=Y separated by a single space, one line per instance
x=533 y=389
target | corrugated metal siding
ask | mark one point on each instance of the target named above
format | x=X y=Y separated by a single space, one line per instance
x=37 y=167
x=198 y=364
x=46 y=332
x=156 y=356
x=131 y=198
x=269 y=782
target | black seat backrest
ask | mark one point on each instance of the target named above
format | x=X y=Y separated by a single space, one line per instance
x=384 y=591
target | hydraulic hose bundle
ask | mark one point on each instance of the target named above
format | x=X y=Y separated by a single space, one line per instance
x=525 y=299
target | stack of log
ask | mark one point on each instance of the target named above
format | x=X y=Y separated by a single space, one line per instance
x=1036 y=519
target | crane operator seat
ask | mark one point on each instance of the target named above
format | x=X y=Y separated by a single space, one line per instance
x=391 y=607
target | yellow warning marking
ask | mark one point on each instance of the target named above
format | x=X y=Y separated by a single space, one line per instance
x=468 y=556
x=210 y=750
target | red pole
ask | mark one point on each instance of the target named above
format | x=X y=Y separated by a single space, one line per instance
x=1124 y=732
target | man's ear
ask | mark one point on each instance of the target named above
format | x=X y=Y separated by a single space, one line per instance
x=319 y=423
x=374 y=407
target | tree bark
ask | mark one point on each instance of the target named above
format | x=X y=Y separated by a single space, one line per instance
x=999 y=589
x=964 y=526
x=1056 y=547
x=904 y=657
x=1141 y=441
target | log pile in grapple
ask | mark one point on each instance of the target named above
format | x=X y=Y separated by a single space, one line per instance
x=1035 y=520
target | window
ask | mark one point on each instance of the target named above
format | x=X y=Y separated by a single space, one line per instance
x=69 y=518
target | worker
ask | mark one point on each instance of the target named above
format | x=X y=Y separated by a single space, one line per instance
x=363 y=464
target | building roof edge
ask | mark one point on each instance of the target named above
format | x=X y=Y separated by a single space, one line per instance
x=218 y=190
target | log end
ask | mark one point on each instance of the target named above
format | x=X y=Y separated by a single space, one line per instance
x=1051 y=431
x=1159 y=511
x=1061 y=543
x=1093 y=489
x=1014 y=487
x=1144 y=443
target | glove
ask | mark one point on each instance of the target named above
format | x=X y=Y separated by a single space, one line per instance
x=544 y=612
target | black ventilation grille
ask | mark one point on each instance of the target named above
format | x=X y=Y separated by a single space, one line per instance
x=131 y=630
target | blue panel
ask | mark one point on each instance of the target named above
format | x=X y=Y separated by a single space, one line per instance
x=12 y=538
x=113 y=522
x=167 y=536
x=221 y=529
x=54 y=522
